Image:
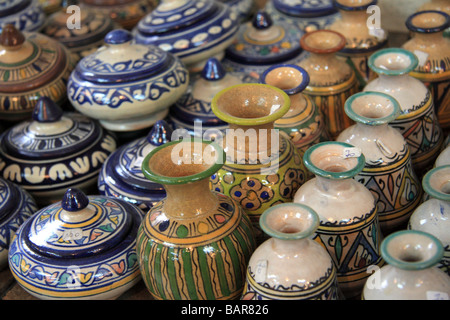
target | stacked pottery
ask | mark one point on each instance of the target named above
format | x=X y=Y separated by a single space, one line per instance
x=32 y=66
x=80 y=248
x=263 y=168
x=191 y=30
x=289 y=265
x=332 y=80
x=388 y=171
x=433 y=215
x=121 y=175
x=361 y=38
x=417 y=120
x=54 y=151
x=433 y=51
x=410 y=272
x=349 y=228
x=24 y=15
x=196 y=243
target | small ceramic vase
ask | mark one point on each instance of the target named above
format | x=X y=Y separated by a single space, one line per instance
x=349 y=228
x=361 y=40
x=191 y=30
x=24 y=15
x=438 y=5
x=53 y=152
x=261 y=43
x=80 y=248
x=417 y=120
x=433 y=52
x=127 y=86
x=263 y=167
x=289 y=265
x=196 y=243
x=332 y=80
x=32 y=66
x=243 y=8
x=16 y=206
x=121 y=175
x=388 y=171
x=308 y=15
x=410 y=272
x=444 y=156
x=304 y=122
x=433 y=215
x=50 y=6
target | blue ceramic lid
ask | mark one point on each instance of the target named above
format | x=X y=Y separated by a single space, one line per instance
x=8 y=197
x=25 y=15
x=9 y=7
x=305 y=8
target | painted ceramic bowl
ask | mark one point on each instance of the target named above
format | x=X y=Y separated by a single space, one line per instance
x=82 y=247
x=53 y=152
x=25 y=15
x=127 y=86
x=16 y=206
x=191 y=30
x=121 y=175
x=32 y=65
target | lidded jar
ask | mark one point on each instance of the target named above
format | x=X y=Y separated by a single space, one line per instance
x=24 y=15
x=82 y=247
x=54 y=151
x=127 y=86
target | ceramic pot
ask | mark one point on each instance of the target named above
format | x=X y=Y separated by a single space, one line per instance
x=32 y=65
x=127 y=86
x=444 y=156
x=332 y=80
x=388 y=171
x=263 y=167
x=196 y=243
x=261 y=43
x=289 y=265
x=50 y=6
x=433 y=215
x=304 y=122
x=417 y=120
x=410 y=272
x=169 y=27
x=80 y=248
x=243 y=8
x=438 y=5
x=24 y=15
x=16 y=206
x=349 y=228
x=53 y=152
x=121 y=175
x=433 y=50
x=361 y=41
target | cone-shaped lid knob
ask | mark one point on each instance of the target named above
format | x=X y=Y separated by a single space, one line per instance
x=213 y=70
x=74 y=200
x=262 y=20
x=160 y=134
x=46 y=110
x=11 y=37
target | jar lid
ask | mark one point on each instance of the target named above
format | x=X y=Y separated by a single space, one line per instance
x=305 y=8
x=8 y=197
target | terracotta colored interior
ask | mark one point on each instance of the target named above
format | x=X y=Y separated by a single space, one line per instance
x=428 y=20
x=330 y=158
x=284 y=78
x=372 y=106
x=392 y=61
x=323 y=40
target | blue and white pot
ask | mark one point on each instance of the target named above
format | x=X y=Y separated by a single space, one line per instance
x=25 y=15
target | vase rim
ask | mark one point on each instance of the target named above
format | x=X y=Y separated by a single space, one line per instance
x=372 y=121
x=431 y=177
x=290 y=91
x=405 y=260
x=413 y=61
x=362 y=7
x=439 y=28
x=183 y=179
x=339 y=45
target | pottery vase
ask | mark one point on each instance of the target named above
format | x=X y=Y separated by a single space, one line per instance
x=438 y=5
x=417 y=121
x=194 y=244
x=349 y=229
x=444 y=156
x=289 y=265
x=263 y=167
x=433 y=215
x=332 y=80
x=388 y=171
x=433 y=51
x=410 y=272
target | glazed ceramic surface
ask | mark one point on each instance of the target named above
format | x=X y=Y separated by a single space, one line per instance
x=50 y=6
x=411 y=272
x=196 y=243
x=417 y=120
x=16 y=206
x=444 y=155
x=24 y=15
x=121 y=175
x=54 y=151
x=191 y=30
x=83 y=247
x=289 y=265
x=127 y=86
x=243 y=8
x=388 y=171
x=349 y=228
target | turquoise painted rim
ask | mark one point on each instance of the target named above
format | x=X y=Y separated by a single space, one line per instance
x=330 y=174
x=428 y=188
x=412 y=57
x=166 y=180
x=348 y=107
x=315 y=222
x=406 y=265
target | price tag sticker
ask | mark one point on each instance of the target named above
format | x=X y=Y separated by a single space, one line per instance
x=261 y=271
x=351 y=152
x=436 y=295
x=421 y=56
x=378 y=33
x=72 y=234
